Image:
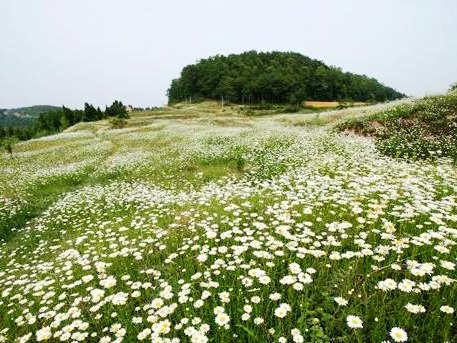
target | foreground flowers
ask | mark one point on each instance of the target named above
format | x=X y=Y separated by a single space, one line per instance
x=224 y=233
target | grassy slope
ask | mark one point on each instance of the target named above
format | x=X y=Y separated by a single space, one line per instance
x=182 y=184
x=424 y=128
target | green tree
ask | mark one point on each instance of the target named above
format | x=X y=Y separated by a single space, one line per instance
x=297 y=98
x=64 y=122
x=90 y=113
x=117 y=109
x=100 y=114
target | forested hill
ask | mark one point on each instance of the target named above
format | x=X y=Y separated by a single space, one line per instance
x=23 y=116
x=274 y=77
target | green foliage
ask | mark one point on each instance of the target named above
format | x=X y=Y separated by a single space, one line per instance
x=54 y=121
x=8 y=144
x=91 y=113
x=422 y=129
x=23 y=116
x=118 y=123
x=276 y=77
x=117 y=109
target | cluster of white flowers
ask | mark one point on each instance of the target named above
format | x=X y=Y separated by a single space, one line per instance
x=222 y=318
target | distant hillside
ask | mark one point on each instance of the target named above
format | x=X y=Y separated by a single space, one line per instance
x=275 y=77
x=24 y=115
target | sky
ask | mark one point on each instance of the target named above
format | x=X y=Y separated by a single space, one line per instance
x=67 y=52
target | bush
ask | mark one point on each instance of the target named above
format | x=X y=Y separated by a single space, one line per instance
x=118 y=123
x=8 y=143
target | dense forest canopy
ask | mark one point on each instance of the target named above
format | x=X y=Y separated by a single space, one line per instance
x=273 y=77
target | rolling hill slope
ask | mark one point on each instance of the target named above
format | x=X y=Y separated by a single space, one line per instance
x=198 y=224
x=424 y=128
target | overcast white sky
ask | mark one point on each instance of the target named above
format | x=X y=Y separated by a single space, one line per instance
x=71 y=51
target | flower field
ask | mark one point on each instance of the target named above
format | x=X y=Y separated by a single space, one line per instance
x=200 y=226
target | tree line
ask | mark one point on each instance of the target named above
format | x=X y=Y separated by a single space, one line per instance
x=58 y=120
x=273 y=77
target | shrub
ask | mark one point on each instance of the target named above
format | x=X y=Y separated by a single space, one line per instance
x=118 y=123
x=8 y=144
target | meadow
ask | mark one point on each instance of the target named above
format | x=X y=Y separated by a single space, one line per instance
x=201 y=224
